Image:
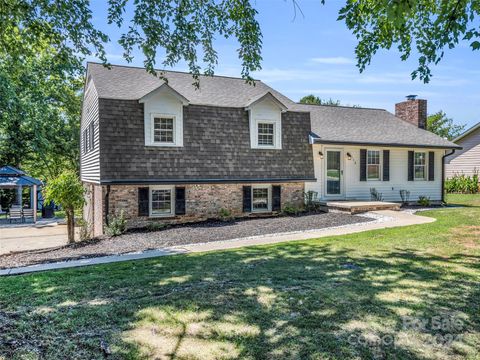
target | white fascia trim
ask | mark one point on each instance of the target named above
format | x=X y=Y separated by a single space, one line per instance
x=167 y=88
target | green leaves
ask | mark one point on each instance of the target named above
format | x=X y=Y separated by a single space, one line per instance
x=443 y=126
x=425 y=27
x=65 y=190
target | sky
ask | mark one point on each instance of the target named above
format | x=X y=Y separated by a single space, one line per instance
x=313 y=53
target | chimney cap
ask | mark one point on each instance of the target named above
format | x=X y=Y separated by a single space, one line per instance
x=411 y=97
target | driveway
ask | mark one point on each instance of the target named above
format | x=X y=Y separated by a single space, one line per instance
x=32 y=237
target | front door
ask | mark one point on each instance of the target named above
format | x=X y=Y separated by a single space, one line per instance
x=334 y=173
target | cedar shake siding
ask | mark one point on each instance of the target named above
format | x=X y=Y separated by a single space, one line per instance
x=216 y=147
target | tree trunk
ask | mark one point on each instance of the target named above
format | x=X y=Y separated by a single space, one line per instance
x=70 y=226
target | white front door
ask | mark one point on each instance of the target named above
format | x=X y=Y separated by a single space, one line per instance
x=333 y=173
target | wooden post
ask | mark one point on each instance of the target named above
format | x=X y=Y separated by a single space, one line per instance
x=34 y=203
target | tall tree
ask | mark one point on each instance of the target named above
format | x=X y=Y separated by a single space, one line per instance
x=443 y=126
x=315 y=100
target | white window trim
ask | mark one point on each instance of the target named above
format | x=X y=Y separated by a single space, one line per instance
x=152 y=129
x=424 y=166
x=172 y=205
x=272 y=122
x=269 y=201
x=380 y=165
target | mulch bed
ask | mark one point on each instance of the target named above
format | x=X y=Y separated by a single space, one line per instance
x=141 y=240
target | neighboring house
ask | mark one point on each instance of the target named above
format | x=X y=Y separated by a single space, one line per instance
x=171 y=152
x=467 y=160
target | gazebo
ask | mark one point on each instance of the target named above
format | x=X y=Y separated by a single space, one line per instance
x=13 y=178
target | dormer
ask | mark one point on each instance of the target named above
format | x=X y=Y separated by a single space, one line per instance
x=265 y=119
x=163 y=117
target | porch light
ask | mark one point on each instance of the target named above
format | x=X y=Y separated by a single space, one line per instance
x=349 y=156
x=321 y=154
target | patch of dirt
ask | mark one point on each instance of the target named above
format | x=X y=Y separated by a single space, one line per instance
x=468 y=236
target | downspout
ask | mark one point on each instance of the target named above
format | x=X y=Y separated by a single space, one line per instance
x=443 y=174
x=107 y=198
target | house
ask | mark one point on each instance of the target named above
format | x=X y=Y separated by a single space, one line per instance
x=165 y=150
x=467 y=160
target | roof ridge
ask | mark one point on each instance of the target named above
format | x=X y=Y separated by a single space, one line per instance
x=173 y=71
x=342 y=106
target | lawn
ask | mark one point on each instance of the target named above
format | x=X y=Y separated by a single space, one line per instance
x=402 y=293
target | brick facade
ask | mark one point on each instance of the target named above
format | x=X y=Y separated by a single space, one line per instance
x=94 y=209
x=203 y=201
x=413 y=112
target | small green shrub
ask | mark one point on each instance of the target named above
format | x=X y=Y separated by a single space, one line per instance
x=405 y=196
x=85 y=229
x=463 y=184
x=312 y=204
x=117 y=225
x=157 y=226
x=289 y=209
x=225 y=215
x=375 y=195
x=424 y=201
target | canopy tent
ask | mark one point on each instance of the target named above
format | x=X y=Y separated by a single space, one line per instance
x=13 y=178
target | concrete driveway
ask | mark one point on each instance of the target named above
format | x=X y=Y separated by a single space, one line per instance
x=32 y=237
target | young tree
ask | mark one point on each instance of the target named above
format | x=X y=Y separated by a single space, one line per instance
x=443 y=126
x=67 y=191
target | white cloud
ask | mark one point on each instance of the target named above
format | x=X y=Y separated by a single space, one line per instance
x=339 y=60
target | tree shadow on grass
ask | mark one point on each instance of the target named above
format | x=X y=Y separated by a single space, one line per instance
x=295 y=300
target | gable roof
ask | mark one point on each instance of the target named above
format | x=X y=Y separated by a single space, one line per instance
x=364 y=126
x=469 y=131
x=133 y=83
x=330 y=124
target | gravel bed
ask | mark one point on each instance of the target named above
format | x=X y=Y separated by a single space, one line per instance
x=136 y=241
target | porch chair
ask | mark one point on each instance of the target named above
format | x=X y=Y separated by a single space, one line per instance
x=27 y=214
x=15 y=214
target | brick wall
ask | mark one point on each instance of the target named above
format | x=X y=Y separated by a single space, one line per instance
x=203 y=201
x=93 y=210
x=413 y=112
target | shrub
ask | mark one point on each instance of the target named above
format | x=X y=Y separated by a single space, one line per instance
x=225 y=215
x=424 y=201
x=375 y=195
x=405 y=196
x=117 y=225
x=85 y=229
x=311 y=201
x=156 y=226
x=463 y=184
x=289 y=209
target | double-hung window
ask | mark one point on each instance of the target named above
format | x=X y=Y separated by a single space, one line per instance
x=261 y=199
x=373 y=165
x=164 y=130
x=266 y=134
x=161 y=201
x=420 y=166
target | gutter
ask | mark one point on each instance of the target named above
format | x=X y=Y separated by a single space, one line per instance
x=314 y=140
x=443 y=174
x=107 y=198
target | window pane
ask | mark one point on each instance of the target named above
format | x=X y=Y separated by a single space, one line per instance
x=163 y=130
x=260 y=199
x=419 y=171
x=420 y=158
x=265 y=134
x=161 y=202
x=373 y=157
x=373 y=172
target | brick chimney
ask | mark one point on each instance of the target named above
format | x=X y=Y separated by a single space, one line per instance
x=413 y=111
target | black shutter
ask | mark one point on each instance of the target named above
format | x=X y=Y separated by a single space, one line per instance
x=179 y=200
x=247 y=199
x=386 y=165
x=143 y=194
x=363 y=164
x=431 y=166
x=276 y=198
x=410 y=165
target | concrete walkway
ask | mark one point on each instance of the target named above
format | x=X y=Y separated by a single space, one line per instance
x=389 y=219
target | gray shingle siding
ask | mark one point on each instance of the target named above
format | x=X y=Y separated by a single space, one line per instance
x=216 y=146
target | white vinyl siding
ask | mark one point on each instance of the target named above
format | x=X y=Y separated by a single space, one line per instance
x=90 y=139
x=354 y=189
x=467 y=160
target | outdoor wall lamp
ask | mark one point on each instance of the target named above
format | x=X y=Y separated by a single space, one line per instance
x=321 y=154
x=349 y=156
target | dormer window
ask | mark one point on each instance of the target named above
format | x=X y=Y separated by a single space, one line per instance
x=266 y=134
x=164 y=130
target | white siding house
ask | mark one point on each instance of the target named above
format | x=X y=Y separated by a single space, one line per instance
x=467 y=160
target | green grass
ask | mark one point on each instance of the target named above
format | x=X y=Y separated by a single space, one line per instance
x=330 y=298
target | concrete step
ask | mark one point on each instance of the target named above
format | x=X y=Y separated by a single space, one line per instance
x=357 y=207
